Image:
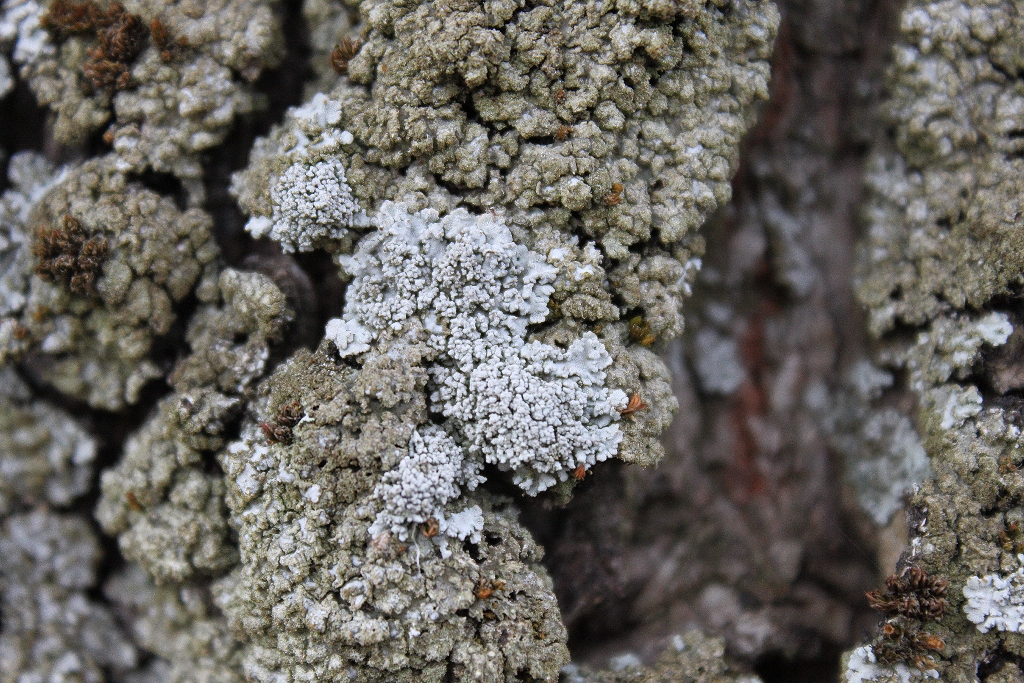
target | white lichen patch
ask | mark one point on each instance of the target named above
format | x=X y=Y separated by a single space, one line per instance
x=863 y=667
x=432 y=474
x=996 y=602
x=465 y=287
x=312 y=203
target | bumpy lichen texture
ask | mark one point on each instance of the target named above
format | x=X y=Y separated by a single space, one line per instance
x=604 y=134
x=52 y=629
x=93 y=341
x=317 y=595
x=165 y=507
x=463 y=286
x=938 y=270
x=182 y=93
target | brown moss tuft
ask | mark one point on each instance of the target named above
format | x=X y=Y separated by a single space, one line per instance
x=68 y=256
x=342 y=53
x=120 y=39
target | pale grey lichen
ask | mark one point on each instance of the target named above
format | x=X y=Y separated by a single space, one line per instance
x=882 y=451
x=995 y=601
x=52 y=630
x=862 y=666
x=31 y=176
x=311 y=204
x=469 y=291
x=47 y=458
x=434 y=473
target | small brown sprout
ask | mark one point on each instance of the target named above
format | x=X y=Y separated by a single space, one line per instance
x=121 y=37
x=1007 y=465
x=640 y=331
x=929 y=641
x=64 y=19
x=132 y=501
x=290 y=414
x=635 y=404
x=559 y=95
x=892 y=631
x=67 y=256
x=342 y=53
x=484 y=589
x=275 y=433
x=430 y=528
x=615 y=196
x=924 y=663
x=169 y=48
x=579 y=472
x=563 y=133
x=280 y=430
x=1010 y=537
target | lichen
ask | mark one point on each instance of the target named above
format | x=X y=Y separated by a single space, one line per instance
x=938 y=262
x=503 y=187
x=161 y=501
x=314 y=580
x=463 y=286
x=96 y=342
x=53 y=629
x=160 y=112
x=48 y=457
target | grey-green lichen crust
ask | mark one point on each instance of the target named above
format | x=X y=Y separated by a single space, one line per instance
x=937 y=272
x=481 y=96
x=175 y=107
x=945 y=209
x=316 y=595
x=95 y=345
x=162 y=502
